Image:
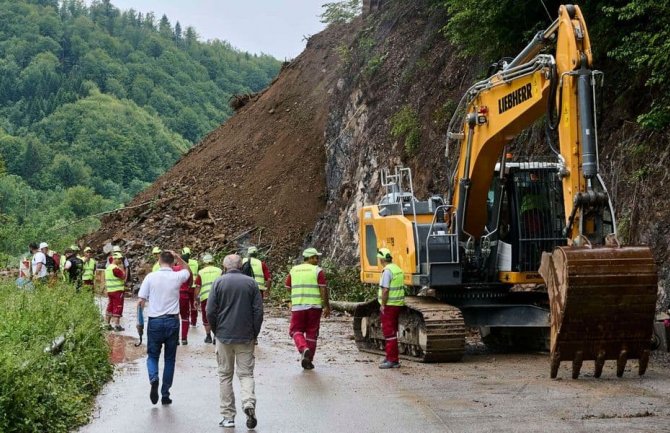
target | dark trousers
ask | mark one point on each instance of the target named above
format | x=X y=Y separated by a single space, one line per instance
x=304 y=329
x=390 y=331
x=162 y=331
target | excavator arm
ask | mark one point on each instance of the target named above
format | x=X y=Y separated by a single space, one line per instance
x=602 y=296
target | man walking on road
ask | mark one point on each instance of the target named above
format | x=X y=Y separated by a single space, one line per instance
x=309 y=296
x=203 y=285
x=235 y=313
x=115 y=278
x=391 y=298
x=193 y=265
x=161 y=289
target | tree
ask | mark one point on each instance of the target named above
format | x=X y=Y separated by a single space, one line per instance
x=340 y=12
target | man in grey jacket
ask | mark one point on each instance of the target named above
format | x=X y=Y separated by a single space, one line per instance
x=235 y=313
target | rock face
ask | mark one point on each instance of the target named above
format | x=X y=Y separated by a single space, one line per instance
x=297 y=161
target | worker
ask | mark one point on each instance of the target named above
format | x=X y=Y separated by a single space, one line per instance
x=235 y=312
x=115 y=278
x=73 y=269
x=89 y=265
x=161 y=289
x=157 y=253
x=184 y=299
x=261 y=271
x=193 y=265
x=391 y=298
x=309 y=298
x=203 y=285
x=39 y=264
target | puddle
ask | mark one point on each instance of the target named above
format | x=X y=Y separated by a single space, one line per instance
x=123 y=350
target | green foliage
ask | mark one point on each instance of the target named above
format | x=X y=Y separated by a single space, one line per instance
x=373 y=65
x=41 y=391
x=96 y=103
x=340 y=12
x=344 y=53
x=405 y=123
x=645 y=48
x=632 y=35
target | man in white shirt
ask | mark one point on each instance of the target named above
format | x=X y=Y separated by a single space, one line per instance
x=39 y=263
x=161 y=290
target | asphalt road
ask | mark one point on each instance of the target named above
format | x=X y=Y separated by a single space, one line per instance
x=346 y=392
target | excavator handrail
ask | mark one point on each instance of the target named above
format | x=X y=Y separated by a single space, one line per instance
x=453 y=234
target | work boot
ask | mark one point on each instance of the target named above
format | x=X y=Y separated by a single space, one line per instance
x=110 y=327
x=166 y=401
x=305 y=359
x=153 y=395
x=208 y=339
x=251 y=417
x=388 y=364
x=184 y=342
x=119 y=328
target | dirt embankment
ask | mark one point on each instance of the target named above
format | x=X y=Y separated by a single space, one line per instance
x=259 y=178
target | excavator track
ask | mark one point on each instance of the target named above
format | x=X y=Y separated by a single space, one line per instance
x=602 y=305
x=429 y=330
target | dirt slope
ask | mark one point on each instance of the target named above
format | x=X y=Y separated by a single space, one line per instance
x=262 y=172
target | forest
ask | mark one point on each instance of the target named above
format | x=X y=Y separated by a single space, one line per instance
x=96 y=103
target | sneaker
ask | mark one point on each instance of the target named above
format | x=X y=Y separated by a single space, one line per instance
x=227 y=422
x=305 y=359
x=388 y=364
x=184 y=342
x=310 y=366
x=208 y=339
x=153 y=395
x=251 y=417
x=110 y=327
x=255 y=341
x=119 y=328
x=166 y=400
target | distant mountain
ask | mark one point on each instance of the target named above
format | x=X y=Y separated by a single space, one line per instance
x=105 y=99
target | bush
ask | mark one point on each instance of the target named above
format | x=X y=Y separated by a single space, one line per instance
x=40 y=391
x=405 y=123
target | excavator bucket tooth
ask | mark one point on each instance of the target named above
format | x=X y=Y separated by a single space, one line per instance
x=644 y=362
x=600 y=363
x=602 y=303
x=577 y=364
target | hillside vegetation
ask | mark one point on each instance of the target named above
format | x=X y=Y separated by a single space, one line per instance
x=102 y=101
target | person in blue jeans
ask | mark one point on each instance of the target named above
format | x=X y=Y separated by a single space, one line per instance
x=159 y=294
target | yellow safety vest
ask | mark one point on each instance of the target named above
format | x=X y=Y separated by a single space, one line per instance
x=156 y=267
x=257 y=267
x=305 y=285
x=208 y=275
x=89 y=270
x=397 y=287
x=193 y=264
x=112 y=282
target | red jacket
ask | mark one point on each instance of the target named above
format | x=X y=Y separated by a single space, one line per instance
x=185 y=287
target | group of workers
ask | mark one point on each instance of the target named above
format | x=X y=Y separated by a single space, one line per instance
x=230 y=301
x=47 y=265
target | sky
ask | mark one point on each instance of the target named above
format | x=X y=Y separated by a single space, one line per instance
x=275 y=27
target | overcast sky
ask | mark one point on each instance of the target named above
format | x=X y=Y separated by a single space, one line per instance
x=274 y=27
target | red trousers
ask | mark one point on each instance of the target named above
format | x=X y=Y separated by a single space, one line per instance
x=203 y=306
x=390 y=331
x=184 y=313
x=304 y=329
x=115 y=304
x=193 y=306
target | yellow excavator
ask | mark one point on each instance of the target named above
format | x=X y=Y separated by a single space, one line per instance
x=526 y=251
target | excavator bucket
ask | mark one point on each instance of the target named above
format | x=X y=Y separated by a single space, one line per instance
x=602 y=305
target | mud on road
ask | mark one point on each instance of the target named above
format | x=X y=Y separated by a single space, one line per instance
x=487 y=392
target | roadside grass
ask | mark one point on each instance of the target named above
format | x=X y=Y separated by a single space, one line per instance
x=42 y=391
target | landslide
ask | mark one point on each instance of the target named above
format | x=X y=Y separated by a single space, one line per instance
x=257 y=179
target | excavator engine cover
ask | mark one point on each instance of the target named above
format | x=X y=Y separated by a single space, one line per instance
x=602 y=302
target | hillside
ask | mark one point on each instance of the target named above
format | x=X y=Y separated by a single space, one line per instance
x=293 y=166
x=103 y=99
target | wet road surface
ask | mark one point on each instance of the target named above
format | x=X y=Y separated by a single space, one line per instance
x=346 y=392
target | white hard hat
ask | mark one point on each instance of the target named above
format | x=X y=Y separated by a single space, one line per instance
x=207 y=258
x=44 y=245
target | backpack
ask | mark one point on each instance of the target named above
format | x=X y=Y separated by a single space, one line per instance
x=53 y=263
x=246 y=269
x=76 y=270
